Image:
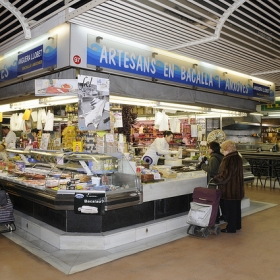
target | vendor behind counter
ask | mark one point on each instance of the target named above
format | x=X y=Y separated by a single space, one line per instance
x=158 y=148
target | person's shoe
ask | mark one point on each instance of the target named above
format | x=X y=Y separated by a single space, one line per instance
x=222 y=218
x=227 y=231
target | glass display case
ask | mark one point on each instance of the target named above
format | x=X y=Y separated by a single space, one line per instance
x=63 y=175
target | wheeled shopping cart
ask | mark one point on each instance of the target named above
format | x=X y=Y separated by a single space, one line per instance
x=6 y=213
x=203 y=212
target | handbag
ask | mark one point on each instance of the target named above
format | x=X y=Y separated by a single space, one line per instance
x=3 y=198
x=199 y=214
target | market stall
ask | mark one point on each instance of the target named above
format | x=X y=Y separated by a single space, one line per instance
x=49 y=192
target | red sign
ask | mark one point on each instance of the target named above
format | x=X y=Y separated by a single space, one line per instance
x=77 y=59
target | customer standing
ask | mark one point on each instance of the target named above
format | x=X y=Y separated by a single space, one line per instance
x=212 y=164
x=231 y=182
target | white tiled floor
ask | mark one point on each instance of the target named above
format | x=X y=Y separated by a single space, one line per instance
x=70 y=261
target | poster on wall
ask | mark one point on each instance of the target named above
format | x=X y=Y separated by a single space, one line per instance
x=55 y=87
x=94 y=106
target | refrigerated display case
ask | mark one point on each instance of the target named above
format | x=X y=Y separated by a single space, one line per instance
x=62 y=175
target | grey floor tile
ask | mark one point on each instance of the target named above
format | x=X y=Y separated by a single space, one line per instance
x=44 y=246
x=69 y=257
x=87 y=256
x=72 y=261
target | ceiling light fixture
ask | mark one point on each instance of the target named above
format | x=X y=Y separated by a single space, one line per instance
x=132 y=101
x=256 y=114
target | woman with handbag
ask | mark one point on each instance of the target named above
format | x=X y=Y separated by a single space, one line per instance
x=230 y=181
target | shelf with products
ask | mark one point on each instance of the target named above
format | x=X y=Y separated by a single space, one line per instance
x=270 y=135
x=255 y=136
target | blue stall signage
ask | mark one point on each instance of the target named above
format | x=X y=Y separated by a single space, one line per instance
x=261 y=91
x=143 y=62
x=30 y=61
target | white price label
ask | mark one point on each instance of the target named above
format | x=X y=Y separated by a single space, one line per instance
x=156 y=176
x=109 y=137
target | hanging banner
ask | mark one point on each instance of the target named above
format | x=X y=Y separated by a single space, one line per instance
x=94 y=106
x=54 y=87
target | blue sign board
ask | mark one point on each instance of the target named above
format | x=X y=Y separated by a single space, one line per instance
x=260 y=91
x=40 y=57
x=30 y=61
x=137 y=61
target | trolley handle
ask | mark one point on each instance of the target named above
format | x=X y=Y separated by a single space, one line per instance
x=210 y=181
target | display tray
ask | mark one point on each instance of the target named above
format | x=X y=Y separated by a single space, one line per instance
x=183 y=169
x=177 y=167
x=153 y=181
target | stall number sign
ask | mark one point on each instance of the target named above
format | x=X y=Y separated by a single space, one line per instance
x=89 y=203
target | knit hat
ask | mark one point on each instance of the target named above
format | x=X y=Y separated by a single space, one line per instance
x=214 y=146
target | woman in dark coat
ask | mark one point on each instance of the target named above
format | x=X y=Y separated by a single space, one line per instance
x=231 y=182
x=211 y=165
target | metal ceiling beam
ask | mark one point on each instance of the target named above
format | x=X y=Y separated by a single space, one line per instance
x=19 y=16
x=266 y=72
x=218 y=28
x=92 y=4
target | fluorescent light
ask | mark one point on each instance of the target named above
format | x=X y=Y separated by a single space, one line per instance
x=5 y=108
x=256 y=114
x=59 y=100
x=132 y=101
x=161 y=104
x=174 y=108
x=26 y=46
x=228 y=113
x=273 y=115
x=38 y=103
x=180 y=107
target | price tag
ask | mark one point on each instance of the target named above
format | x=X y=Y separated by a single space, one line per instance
x=203 y=143
x=109 y=138
x=84 y=165
x=156 y=176
x=45 y=141
x=24 y=159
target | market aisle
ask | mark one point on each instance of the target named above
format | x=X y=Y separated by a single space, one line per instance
x=252 y=253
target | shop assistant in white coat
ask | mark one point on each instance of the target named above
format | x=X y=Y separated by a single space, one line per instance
x=159 y=148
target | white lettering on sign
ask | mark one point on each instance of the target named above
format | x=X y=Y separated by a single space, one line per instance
x=29 y=57
x=129 y=60
x=77 y=59
x=200 y=78
x=168 y=70
x=100 y=200
x=262 y=89
x=236 y=87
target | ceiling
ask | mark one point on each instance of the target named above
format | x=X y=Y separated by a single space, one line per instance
x=241 y=35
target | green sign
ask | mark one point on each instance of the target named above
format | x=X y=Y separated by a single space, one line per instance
x=271 y=107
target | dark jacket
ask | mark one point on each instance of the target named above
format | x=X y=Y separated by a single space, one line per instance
x=230 y=179
x=213 y=165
